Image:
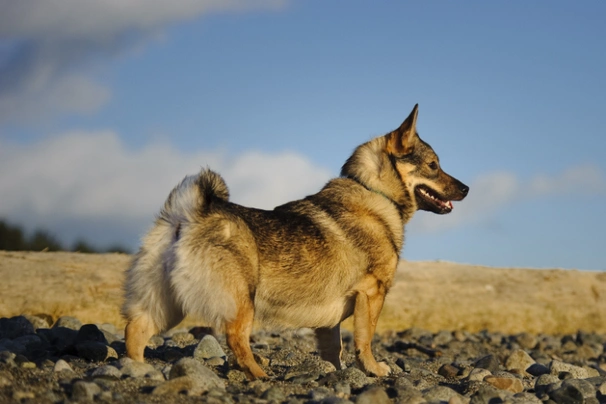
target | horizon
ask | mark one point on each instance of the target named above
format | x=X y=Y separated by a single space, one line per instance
x=103 y=109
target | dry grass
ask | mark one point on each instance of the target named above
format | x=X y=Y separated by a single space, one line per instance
x=430 y=295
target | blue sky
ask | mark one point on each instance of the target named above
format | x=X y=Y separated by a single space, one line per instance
x=104 y=108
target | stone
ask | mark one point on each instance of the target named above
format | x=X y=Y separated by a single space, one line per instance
x=182 y=337
x=155 y=341
x=7 y=345
x=526 y=341
x=518 y=359
x=30 y=342
x=198 y=372
x=208 y=348
x=442 y=338
x=15 y=327
x=215 y=361
x=261 y=360
x=107 y=372
x=488 y=362
x=448 y=371
x=526 y=398
x=353 y=376
x=90 y=332
x=511 y=384
x=409 y=395
x=274 y=393
x=131 y=368
x=567 y=395
x=68 y=322
x=37 y=322
x=546 y=383
x=586 y=388
x=181 y=385
x=22 y=395
x=374 y=395
x=556 y=367
x=487 y=394
x=537 y=369
x=85 y=391
x=62 y=338
x=440 y=393
x=95 y=351
x=478 y=374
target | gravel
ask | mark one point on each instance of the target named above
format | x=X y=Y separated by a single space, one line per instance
x=68 y=362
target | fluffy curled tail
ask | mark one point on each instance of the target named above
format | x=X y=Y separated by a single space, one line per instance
x=194 y=196
x=150 y=305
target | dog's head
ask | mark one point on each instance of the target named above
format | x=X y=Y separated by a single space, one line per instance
x=419 y=169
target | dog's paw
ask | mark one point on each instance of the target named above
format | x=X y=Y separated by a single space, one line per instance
x=382 y=369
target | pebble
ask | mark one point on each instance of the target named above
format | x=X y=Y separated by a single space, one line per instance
x=107 y=372
x=352 y=376
x=131 y=368
x=478 y=374
x=15 y=327
x=197 y=371
x=441 y=393
x=519 y=359
x=505 y=383
x=488 y=362
x=374 y=395
x=71 y=362
x=556 y=367
x=448 y=371
x=85 y=391
x=273 y=394
x=95 y=351
x=68 y=322
x=537 y=369
x=208 y=348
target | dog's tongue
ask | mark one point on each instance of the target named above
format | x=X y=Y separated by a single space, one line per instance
x=449 y=204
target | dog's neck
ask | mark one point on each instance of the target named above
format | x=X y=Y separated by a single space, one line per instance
x=371 y=167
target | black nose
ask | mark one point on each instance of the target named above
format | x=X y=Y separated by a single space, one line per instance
x=464 y=189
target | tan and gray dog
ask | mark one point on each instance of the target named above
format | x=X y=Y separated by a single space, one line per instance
x=309 y=263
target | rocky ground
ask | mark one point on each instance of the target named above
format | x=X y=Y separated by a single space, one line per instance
x=42 y=361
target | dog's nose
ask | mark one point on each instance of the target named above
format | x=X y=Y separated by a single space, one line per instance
x=464 y=189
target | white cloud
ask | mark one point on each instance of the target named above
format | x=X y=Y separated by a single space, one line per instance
x=52 y=47
x=492 y=192
x=89 y=178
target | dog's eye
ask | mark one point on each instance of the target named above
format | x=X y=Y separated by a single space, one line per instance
x=433 y=165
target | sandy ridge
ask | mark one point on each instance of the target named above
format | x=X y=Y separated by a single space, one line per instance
x=429 y=295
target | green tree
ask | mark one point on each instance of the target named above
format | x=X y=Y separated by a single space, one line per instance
x=11 y=237
x=43 y=241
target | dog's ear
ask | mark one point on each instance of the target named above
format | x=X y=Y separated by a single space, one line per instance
x=402 y=141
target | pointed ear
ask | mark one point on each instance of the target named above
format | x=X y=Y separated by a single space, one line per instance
x=402 y=140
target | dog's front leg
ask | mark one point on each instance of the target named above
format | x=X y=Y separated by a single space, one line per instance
x=369 y=302
x=329 y=344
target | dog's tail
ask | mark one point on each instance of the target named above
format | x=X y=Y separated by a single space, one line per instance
x=147 y=298
x=193 y=197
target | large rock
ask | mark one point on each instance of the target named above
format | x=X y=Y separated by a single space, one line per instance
x=15 y=327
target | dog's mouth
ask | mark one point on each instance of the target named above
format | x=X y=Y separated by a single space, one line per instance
x=428 y=199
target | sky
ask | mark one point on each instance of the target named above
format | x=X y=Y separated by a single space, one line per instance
x=105 y=106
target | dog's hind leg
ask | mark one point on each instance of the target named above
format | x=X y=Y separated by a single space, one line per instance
x=138 y=331
x=369 y=302
x=238 y=334
x=329 y=344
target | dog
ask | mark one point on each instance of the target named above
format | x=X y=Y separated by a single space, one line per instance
x=309 y=263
